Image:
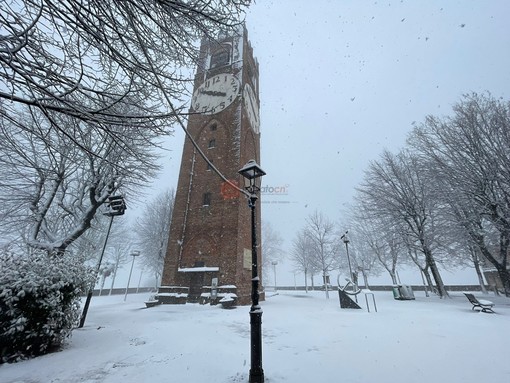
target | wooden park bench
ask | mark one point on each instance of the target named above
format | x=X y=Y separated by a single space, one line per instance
x=484 y=305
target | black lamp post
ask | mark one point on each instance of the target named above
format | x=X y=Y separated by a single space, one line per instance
x=274 y=263
x=116 y=206
x=252 y=174
x=351 y=276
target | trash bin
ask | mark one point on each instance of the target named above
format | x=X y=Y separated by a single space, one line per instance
x=406 y=292
x=396 y=292
x=403 y=292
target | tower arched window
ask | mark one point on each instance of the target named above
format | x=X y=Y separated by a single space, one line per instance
x=220 y=58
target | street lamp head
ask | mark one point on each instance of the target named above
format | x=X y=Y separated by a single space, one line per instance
x=345 y=238
x=135 y=253
x=252 y=173
x=116 y=205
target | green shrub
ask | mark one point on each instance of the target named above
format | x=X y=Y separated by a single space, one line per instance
x=39 y=302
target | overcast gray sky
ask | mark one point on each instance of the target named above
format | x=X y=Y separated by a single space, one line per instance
x=342 y=80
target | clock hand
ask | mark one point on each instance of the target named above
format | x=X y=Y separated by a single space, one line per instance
x=213 y=93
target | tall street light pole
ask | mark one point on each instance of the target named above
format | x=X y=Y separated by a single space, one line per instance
x=274 y=263
x=139 y=280
x=134 y=254
x=252 y=174
x=351 y=275
x=116 y=206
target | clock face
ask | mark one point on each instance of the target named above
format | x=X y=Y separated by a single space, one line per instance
x=215 y=94
x=252 y=107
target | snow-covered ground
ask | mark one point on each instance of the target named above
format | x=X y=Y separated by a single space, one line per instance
x=306 y=338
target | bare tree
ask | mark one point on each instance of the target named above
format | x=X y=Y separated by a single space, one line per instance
x=462 y=250
x=117 y=256
x=271 y=248
x=420 y=260
x=396 y=188
x=383 y=242
x=90 y=245
x=302 y=255
x=53 y=189
x=320 y=232
x=362 y=256
x=475 y=253
x=84 y=59
x=378 y=233
x=105 y=271
x=470 y=152
x=119 y=246
x=152 y=230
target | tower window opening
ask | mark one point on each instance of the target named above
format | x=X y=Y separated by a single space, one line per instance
x=220 y=58
x=206 y=199
x=212 y=143
x=213 y=126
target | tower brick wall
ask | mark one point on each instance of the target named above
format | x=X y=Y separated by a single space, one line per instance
x=210 y=232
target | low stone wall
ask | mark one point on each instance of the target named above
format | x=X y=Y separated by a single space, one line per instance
x=382 y=288
x=133 y=290
x=173 y=295
x=122 y=290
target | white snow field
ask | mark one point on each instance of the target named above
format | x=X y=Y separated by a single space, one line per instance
x=306 y=338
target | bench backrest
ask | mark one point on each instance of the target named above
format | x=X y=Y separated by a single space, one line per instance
x=472 y=298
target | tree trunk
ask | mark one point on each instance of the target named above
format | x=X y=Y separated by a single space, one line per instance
x=503 y=273
x=365 y=280
x=476 y=263
x=424 y=283
x=393 y=277
x=431 y=263
x=306 y=280
x=324 y=279
x=157 y=278
x=430 y=284
x=113 y=277
x=103 y=279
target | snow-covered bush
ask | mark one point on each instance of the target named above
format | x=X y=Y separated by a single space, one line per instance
x=39 y=302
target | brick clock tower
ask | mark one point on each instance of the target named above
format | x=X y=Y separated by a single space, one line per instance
x=209 y=248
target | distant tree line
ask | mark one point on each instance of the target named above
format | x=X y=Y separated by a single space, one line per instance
x=443 y=199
